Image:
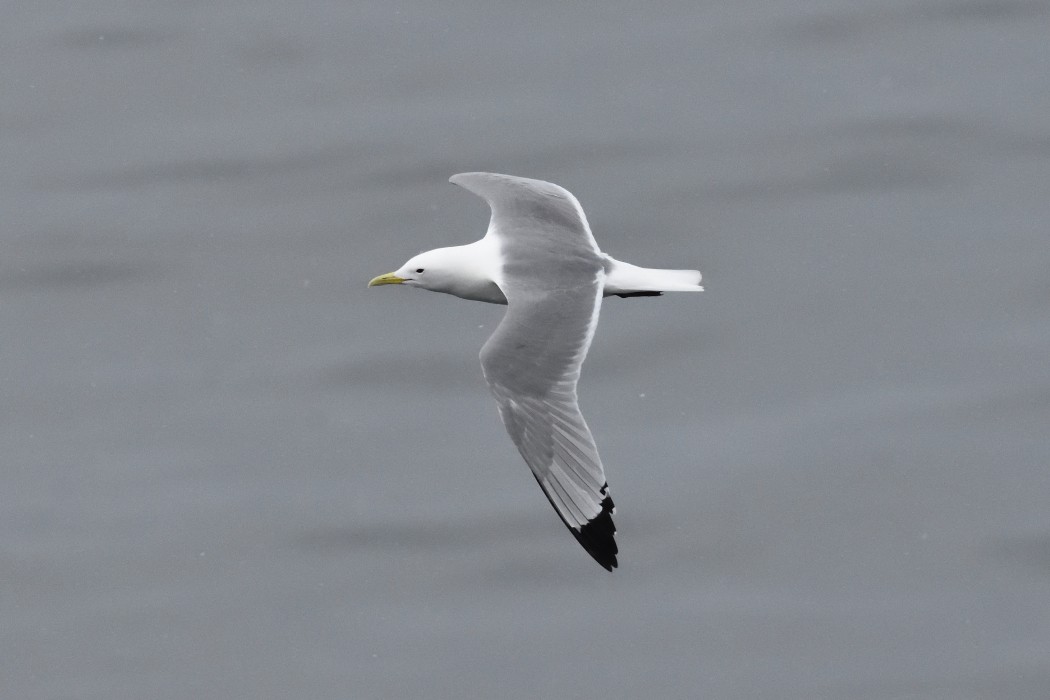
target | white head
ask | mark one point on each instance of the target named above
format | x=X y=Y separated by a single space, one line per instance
x=463 y=271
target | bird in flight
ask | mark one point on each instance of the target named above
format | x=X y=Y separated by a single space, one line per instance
x=539 y=257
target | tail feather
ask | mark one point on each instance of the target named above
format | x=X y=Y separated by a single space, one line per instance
x=625 y=279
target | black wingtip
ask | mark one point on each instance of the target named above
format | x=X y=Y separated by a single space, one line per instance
x=598 y=535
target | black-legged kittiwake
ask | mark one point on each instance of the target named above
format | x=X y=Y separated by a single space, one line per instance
x=540 y=259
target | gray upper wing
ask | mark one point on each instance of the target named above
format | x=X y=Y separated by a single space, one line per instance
x=546 y=215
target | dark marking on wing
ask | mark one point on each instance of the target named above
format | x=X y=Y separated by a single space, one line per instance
x=639 y=294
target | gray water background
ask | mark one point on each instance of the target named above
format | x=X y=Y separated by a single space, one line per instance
x=229 y=470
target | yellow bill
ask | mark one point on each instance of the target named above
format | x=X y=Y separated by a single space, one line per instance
x=388 y=278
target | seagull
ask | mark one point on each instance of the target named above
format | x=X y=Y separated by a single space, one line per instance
x=540 y=259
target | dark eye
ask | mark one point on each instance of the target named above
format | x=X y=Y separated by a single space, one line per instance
x=419 y=269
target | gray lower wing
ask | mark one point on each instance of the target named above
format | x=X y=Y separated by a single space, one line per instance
x=532 y=363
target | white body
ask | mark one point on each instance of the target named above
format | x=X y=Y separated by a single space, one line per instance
x=466 y=271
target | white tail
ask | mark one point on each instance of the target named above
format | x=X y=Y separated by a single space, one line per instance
x=627 y=279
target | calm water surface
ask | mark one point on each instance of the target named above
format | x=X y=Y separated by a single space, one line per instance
x=231 y=471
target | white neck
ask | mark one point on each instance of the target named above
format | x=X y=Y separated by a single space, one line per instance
x=471 y=267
